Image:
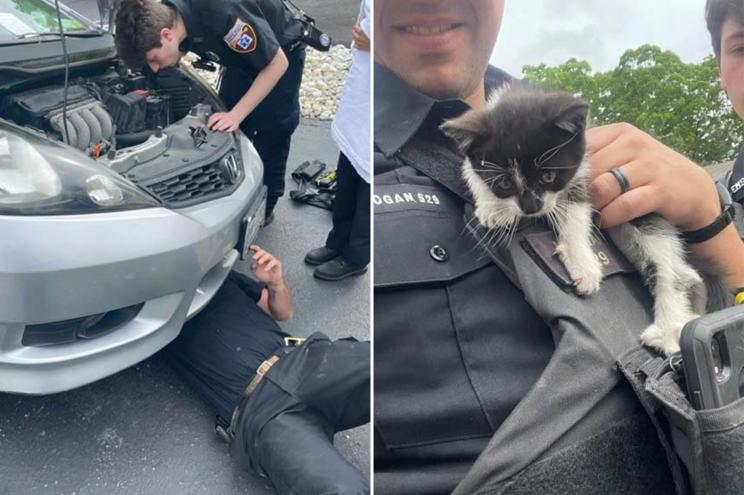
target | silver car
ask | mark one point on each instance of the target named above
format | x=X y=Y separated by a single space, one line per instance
x=121 y=214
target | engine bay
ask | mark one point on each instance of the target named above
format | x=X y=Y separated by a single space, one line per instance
x=151 y=130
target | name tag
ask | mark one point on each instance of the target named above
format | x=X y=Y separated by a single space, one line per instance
x=401 y=197
x=541 y=248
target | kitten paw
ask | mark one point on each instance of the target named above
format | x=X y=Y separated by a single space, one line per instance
x=665 y=339
x=487 y=216
x=586 y=274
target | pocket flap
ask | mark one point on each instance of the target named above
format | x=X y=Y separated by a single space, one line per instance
x=420 y=237
x=541 y=248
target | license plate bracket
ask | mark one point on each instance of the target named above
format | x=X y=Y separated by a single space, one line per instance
x=251 y=224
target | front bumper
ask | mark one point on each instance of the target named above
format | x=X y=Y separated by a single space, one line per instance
x=64 y=267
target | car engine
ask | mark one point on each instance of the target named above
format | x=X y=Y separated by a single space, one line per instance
x=151 y=131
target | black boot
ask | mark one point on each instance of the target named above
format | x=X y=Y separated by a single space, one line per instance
x=320 y=255
x=338 y=269
x=271 y=201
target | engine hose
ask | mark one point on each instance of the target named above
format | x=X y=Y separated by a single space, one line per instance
x=133 y=138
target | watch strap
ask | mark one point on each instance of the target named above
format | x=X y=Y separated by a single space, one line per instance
x=701 y=235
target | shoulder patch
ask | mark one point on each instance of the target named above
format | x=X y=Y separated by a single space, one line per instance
x=241 y=37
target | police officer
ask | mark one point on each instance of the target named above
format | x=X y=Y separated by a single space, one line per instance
x=279 y=401
x=725 y=20
x=258 y=43
x=457 y=345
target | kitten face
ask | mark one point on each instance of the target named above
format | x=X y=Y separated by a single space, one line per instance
x=526 y=147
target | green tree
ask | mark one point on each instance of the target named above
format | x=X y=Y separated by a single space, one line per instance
x=678 y=103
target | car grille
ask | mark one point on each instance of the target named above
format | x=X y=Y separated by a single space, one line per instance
x=195 y=186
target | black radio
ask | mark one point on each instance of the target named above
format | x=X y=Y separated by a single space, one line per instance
x=713 y=358
x=311 y=35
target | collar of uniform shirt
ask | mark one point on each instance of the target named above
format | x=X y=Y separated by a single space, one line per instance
x=400 y=111
x=193 y=30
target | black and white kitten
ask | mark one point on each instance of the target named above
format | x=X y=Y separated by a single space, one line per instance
x=525 y=156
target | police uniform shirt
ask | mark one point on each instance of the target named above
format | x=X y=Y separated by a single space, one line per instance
x=736 y=179
x=237 y=33
x=456 y=344
x=731 y=189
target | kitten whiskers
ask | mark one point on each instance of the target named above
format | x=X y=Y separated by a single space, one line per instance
x=547 y=155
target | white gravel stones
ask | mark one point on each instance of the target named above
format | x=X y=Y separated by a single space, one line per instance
x=322 y=82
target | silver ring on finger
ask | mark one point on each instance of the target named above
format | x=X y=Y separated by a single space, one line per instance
x=622 y=179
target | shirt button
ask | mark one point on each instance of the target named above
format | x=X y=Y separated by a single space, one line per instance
x=438 y=253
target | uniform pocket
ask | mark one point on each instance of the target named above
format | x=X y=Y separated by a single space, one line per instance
x=710 y=442
x=420 y=237
x=424 y=395
x=722 y=447
x=541 y=247
x=617 y=460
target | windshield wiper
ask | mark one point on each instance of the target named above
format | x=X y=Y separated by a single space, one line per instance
x=34 y=37
x=69 y=34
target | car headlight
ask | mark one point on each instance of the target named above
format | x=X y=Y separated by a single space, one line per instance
x=39 y=178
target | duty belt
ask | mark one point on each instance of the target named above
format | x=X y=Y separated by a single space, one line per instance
x=226 y=430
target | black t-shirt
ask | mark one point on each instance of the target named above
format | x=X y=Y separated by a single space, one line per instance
x=252 y=288
x=244 y=34
x=456 y=344
x=234 y=330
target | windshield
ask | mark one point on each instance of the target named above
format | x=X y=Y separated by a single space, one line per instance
x=23 y=18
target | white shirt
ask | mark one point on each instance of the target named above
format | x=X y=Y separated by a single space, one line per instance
x=351 y=127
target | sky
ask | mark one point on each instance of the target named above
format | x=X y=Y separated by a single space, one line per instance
x=598 y=31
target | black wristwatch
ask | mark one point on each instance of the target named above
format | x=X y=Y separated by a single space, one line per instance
x=710 y=231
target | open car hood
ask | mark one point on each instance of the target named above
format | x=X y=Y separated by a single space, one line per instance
x=106 y=12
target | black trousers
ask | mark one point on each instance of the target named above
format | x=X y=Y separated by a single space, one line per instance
x=272 y=122
x=285 y=429
x=350 y=233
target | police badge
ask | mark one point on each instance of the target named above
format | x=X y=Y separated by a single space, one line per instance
x=241 y=37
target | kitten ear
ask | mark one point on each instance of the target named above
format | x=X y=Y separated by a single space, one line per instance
x=466 y=129
x=573 y=119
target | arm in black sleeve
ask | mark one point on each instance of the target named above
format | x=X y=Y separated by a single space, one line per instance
x=252 y=288
x=249 y=35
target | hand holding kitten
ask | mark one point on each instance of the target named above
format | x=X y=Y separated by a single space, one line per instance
x=662 y=181
x=665 y=182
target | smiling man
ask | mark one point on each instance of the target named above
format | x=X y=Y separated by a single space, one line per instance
x=469 y=391
x=441 y=48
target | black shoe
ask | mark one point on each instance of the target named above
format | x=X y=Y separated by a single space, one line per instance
x=320 y=255
x=338 y=269
x=268 y=219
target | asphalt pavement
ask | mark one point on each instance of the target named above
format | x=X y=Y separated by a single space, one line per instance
x=143 y=431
